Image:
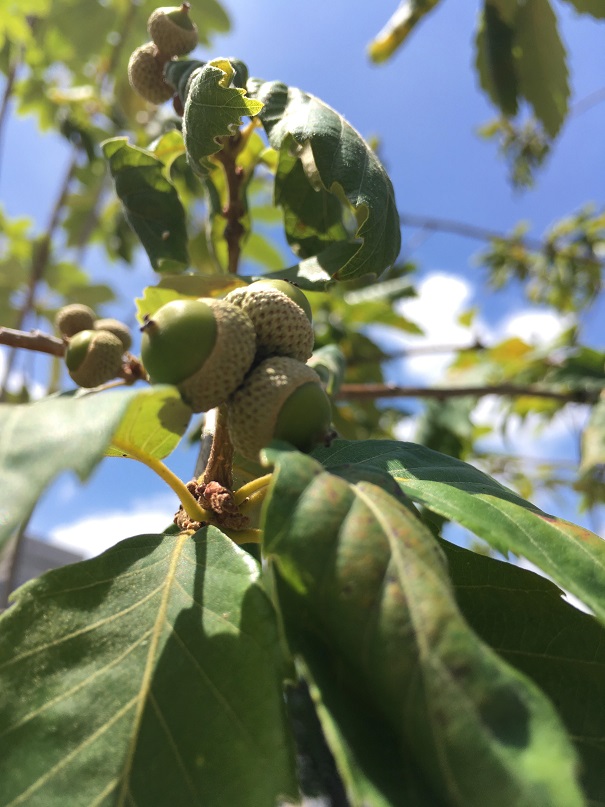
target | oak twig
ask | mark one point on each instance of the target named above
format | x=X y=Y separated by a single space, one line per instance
x=33 y=340
x=363 y=391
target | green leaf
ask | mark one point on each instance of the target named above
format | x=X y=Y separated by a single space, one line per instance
x=495 y=61
x=523 y=617
x=592 y=467
x=399 y=27
x=213 y=109
x=364 y=746
x=152 y=425
x=43 y=439
x=370 y=582
x=151 y=204
x=593 y=7
x=572 y=556
x=330 y=364
x=336 y=160
x=542 y=66
x=177 y=287
x=313 y=217
x=150 y=675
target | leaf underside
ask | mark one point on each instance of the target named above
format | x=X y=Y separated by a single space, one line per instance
x=150 y=676
x=367 y=585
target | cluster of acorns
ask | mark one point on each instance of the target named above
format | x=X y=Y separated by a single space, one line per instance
x=95 y=347
x=247 y=350
x=172 y=34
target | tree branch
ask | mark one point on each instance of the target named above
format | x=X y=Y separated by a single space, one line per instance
x=363 y=391
x=32 y=340
x=464 y=230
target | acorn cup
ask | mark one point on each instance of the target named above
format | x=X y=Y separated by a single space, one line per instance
x=71 y=319
x=146 y=74
x=205 y=347
x=281 y=316
x=280 y=399
x=117 y=328
x=172 y=30
x=93 y=357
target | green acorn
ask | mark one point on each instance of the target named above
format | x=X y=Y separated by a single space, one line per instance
x=172 y=30
x=117 y=328
x=74 y=318
x=281 y=322
x=281 y=399
x=204 y=346
x=93 y=357
x=146 y=75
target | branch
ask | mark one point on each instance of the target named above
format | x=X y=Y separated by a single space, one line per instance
x=460 y=228
x=363 y=391
x=32 y=340
x=234 y=209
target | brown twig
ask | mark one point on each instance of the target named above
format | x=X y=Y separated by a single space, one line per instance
x=234 y=209
x=437 y=225
x=220 y=462
x=40 y=259
x=419 y=350
x=32 y=340
x=363 y=391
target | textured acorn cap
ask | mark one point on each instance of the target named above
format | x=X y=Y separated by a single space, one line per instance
x=117 y=328
x=230 y=359
x=72 y=319
x=254 y=409
x=282 y=327
x=172 y=30
x=146 y=75
x=94 y=357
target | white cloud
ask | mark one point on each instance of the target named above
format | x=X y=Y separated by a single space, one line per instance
x=441 y=299
x=533 y=326
x=93 y=534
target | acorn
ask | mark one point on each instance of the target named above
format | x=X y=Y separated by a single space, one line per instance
x=205 y=347
x=281 y=399
x=72 y=319
x=93 y=357
x=146 y=74
x=280 y=317
x=117 y=328
x=172 y=30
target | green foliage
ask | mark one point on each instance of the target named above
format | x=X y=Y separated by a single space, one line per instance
x=158 y=673
x=151 y=204
x=398 y=28
x=563 y=271
x=366 y=580
x=334 y=160
x=213 y=109
x=163 y=648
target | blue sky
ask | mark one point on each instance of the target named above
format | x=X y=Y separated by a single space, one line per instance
x=425 y=106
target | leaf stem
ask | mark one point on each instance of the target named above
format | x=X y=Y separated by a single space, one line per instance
x=190 y=505
x=244 y=536
x=249 y=488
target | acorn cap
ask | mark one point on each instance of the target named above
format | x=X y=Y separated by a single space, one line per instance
x=229 y=361
x=117 y=328
x=282 y=327
x=72 y=319
x=172 y=30
x=146 y=75
x=254 y=410
x=289 y=288
x=93 y=358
